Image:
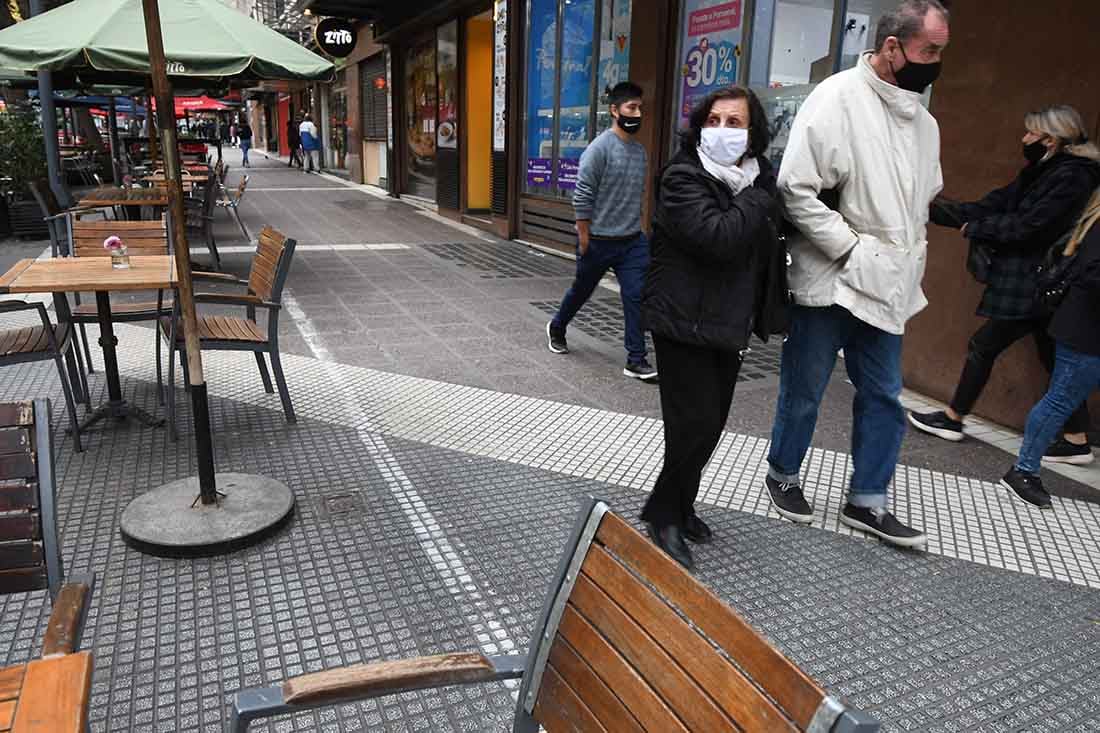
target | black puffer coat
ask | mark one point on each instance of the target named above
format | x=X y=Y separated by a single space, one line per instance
x=718 y=270
x=1021 y=222
x=1074 y=322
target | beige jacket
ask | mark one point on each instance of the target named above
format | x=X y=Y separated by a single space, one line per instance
x=879 y=148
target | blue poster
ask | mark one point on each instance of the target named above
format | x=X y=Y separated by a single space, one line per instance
x=578 y=27
x=541 y=62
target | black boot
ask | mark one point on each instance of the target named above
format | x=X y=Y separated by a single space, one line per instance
x=671 y=540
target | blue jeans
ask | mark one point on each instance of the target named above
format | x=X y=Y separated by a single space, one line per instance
x=1075 y=376
x=873 y=360
x=244 y=151
x=629 y=259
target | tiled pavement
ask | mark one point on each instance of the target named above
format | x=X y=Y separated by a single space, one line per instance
x=437 y=464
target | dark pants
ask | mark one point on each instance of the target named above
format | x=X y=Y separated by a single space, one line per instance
x=628 y=258
x=696 y=391
x=295 y=155
x=987 y=344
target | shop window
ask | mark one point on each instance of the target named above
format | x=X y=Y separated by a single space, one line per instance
x=420 y=118
x=709 y=51
x=447 y=60
x=860 y=23
x=576 y=49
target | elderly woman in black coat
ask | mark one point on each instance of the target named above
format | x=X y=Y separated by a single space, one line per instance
x=1014 y=227
x=717 y=273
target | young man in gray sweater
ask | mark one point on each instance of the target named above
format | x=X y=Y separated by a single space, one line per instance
x=608 y=207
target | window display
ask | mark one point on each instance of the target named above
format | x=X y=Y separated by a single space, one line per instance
x=567 y=71
x=447 y=61
x=420 y=118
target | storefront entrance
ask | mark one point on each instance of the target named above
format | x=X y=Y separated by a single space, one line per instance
x=479 y=112
x=420 y=119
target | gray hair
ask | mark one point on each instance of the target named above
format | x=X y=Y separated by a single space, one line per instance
x=1065 y=125
x=906 y=20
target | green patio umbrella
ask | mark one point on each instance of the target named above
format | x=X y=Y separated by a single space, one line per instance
x=190 y=43
x=105 y=39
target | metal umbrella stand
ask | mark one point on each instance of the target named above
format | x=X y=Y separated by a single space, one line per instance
x=209 y=513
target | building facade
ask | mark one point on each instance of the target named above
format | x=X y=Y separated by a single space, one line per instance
x=492 y=102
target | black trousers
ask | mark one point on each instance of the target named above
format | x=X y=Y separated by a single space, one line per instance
x=696 y=386
x=295 y=156
x=987 y=343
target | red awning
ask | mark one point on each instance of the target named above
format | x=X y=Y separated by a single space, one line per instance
x=196 y=104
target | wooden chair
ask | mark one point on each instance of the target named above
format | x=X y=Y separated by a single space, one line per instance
x=30 y=550
x=141 y=238
x=231 y=203
x=55 y=215
x=270 y=267
x=50 y=693
x=199 y=213
x=627 y=641
x=46 y=342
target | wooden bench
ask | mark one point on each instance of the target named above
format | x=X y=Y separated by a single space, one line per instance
x=51 y=693
x=627 y=641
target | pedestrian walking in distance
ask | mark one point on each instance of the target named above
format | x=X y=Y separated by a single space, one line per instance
x=717 y=271
x=857 y=266
x=307 y=131
x=1077 y=360
x=294 y=141
x=1015 y=227
x=608 y=206
x=244 y=133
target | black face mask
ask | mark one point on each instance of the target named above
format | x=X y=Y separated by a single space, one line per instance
x=629 y=125
x=1035 y=152
x=916 y=77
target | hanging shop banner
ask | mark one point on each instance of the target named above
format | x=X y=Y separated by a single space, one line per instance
x=447 y=74
x=575 y=99
x=615 y=44
x=335 y=36
x=541 y=68
x=500 y=69
x=710 y=44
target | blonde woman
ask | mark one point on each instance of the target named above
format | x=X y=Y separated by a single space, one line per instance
x=1019 y=224
x=1077 y=363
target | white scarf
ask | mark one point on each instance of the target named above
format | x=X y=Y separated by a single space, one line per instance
x=737 y=177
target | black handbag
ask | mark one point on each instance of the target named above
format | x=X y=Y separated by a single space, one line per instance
x=1054 y=277
x=979 y=261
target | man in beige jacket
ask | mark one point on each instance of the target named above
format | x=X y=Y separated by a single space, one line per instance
x=863 y=142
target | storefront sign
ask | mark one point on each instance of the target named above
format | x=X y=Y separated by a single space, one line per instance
x=568 y=168
x=500 y=68
x=710 y=45
x=539 y=171
x=335 y=36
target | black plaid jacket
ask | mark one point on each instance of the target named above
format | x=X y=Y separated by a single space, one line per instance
x=1021 y=222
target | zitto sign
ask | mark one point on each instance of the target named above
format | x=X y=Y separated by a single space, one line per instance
x=335 y=36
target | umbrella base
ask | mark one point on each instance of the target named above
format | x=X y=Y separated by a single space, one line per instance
x=168 y=522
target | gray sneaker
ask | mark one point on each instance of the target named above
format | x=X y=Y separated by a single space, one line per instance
x=788 y=500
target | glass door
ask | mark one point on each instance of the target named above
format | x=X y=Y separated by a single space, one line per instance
x=420 y=118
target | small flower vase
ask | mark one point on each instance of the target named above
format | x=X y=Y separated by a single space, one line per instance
x=119 y=259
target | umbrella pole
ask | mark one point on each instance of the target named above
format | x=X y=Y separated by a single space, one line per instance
x=112 y=129
x=49 y=115
x=165 y=113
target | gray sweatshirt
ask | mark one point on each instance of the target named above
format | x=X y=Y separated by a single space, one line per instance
x=610 y=185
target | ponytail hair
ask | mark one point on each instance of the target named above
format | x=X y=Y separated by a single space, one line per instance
x=1089 y=218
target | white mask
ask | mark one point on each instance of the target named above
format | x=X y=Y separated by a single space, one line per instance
x=724 y=145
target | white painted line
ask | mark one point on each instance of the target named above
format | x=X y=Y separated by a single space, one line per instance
x=278 y=189
x=482 y=611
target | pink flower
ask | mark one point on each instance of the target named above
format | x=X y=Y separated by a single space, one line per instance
x=112 y=242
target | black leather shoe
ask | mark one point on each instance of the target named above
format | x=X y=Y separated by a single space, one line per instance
x=671 y=540
x=697 y=531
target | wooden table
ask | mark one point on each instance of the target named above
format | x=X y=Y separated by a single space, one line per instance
x=83 y=274
x=46 y=695
x=122 y=196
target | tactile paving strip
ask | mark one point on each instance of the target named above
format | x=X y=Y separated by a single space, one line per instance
x=502 y=261
x=602 y=318
x=923 y=642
